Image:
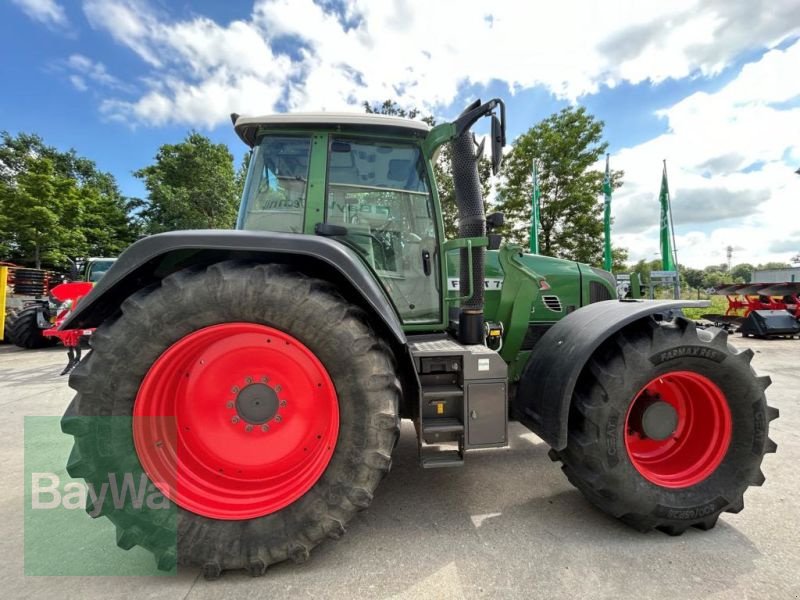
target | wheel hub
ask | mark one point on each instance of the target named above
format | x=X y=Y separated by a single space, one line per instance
x=257 y=403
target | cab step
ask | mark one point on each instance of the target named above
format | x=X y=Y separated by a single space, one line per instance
x=441 y=459
x=441 y=425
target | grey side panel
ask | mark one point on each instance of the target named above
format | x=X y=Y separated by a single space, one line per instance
x=151 y=259
x=545 y=390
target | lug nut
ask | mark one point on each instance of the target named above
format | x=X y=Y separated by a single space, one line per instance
x=283 y=403
x=278 y=418
x=235 y=420
x=248 y=428
x=229 y=404
x=265 y=428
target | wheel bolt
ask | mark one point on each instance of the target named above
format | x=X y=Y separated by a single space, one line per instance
x=278 y=418
x=283 y=403
x=248 y=428
x=229 y=404
x=235 y=389
x=265 y=428
x=235 y=420
x=248 y=380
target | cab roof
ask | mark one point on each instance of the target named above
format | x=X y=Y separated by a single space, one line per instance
x=247 y=127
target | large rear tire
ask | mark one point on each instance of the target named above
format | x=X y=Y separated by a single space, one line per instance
x=218 y=347
x=24 y=331
x=10 y=316
x=668 y=427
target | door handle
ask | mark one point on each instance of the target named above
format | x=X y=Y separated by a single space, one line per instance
x=426 y=262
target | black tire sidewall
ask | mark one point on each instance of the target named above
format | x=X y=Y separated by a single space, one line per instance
x=608 y=457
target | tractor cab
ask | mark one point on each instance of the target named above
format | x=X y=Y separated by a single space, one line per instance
x=362 y=180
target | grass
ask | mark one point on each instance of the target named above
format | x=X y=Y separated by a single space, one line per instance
x=719 y=305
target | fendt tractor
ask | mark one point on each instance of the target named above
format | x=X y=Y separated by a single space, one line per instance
x=258 y=377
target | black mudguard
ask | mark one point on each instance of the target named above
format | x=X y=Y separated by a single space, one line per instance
x=545 y=389
x=151 y=259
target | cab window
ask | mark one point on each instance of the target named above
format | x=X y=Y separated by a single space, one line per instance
x=275 y=196
x=379 y=192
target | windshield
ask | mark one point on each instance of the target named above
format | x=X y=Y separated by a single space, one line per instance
x=98 y=268
x=275 y=196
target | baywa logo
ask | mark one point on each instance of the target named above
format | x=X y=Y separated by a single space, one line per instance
x=48 y=493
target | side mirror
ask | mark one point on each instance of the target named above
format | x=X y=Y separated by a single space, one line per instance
x=495 y=220
x=498 y=141
x=74 y=273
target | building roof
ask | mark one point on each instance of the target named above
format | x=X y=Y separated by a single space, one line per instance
x=247 y=127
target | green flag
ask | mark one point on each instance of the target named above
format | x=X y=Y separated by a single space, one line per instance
x=607 y=258
x=535 y=210
x=667 y=257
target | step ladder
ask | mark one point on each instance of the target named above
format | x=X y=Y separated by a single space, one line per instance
x=456 y=381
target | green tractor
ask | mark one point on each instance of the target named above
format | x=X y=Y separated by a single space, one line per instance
x=258 y=377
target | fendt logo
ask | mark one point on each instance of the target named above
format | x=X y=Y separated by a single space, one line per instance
x=48 y=493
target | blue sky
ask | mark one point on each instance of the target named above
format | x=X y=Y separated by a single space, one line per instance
x=710 y=86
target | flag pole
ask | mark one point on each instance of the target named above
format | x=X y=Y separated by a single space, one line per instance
x=534 y=244
x=608 y=260
x=674 y=245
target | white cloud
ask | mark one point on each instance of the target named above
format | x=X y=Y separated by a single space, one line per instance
x=301 y=55
x=84 y=69
x=712 y=139
x=312 y=56
x=48 y=12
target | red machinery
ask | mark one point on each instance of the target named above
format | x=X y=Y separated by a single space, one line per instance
x=746 y=298
x=68 y=295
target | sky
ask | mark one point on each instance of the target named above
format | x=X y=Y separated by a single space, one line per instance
x=710 y=86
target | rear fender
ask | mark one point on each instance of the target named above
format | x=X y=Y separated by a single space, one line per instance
x=545 y=390
x=151 y=259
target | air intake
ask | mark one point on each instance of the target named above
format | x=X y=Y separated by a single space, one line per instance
x=552 y=302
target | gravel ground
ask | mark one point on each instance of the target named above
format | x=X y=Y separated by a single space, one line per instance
x=506 y=525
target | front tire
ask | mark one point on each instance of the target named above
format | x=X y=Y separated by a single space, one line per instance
x=23 y=329
x=173 y=350
x=668 y=427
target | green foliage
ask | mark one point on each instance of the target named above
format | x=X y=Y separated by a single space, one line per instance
x=742 y=273
x=566 y=145
x=56 y=205
x=619 y=259
x=191 y=185
x=718 y=307
x=241 y=174
x=442 y=169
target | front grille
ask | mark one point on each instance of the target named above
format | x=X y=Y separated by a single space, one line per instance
x=598 y=292
x=552 y=302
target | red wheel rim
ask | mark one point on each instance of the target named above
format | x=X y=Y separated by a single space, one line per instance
x=698 y=443
x=236 y=421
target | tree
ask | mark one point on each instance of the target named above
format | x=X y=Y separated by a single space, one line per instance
x=743 y=272
x=619 y=259
x=56 y=205
x=241 y=174
x=772 y=265
x=41 y=210
x=442 y=168
x=693 y=277
x=191 y=185
x=566 y=145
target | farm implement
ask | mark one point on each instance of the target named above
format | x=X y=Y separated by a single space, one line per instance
x=760 y=309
